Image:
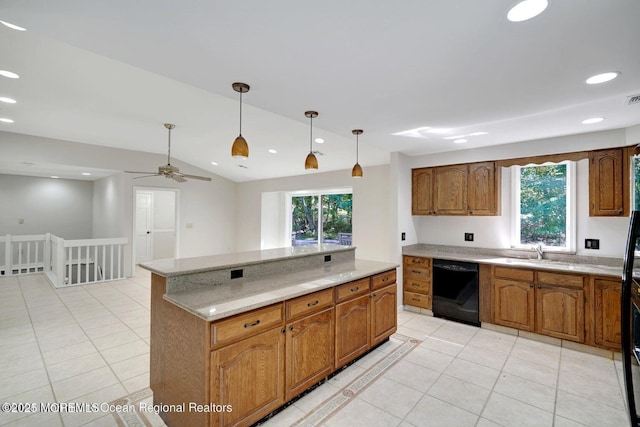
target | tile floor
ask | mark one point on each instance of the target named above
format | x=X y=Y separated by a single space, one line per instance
x=91 y=344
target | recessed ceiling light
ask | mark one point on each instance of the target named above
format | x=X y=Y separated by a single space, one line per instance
x=460 y=141
x=478 y=133
x=526 y=9
x=7 y=100
x=272 y=151
x=5 y=120
x=602 y=78
x=86 y=173
x=592 y=120
x=54 y=177
x=12 y=26
x=9 y=74
x=214 y=163
x=319 y=140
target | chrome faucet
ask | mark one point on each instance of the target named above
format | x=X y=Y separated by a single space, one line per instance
x=539 y=250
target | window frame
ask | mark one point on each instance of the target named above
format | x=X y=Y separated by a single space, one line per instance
x=571 y=217
x=319 y=193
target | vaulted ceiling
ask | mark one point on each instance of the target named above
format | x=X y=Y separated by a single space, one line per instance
x=111 y=73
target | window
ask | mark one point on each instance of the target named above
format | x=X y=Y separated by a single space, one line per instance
x=544 y=206
x=333 y=208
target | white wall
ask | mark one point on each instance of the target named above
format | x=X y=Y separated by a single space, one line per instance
x=371 y=210
x=494 y=232
x=59 y=206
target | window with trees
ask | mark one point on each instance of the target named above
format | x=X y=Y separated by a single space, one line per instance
x=321 y=217
x=544 y=206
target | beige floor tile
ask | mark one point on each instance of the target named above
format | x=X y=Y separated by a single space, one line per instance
x=432 y=412
x=532 y=371
x=460 y=393
x=49 y=344
x=72 y=367
x=484 y=356
x=66 y=353
x=133 y=367
x=346 y=375
x=426 y=324
x=431 y=359
x=125 y=351
x=136 y=383
x=589 y=366
x=537 y=352
x=85 y=383
x=315 y=397
x=510 y=412
x=455 y=332
x=38 y=420
x=41 y=394
x=442 y=346
x=483 y=422
x=359 y=413
x=392 y=397
x=20 y=365
x=412 y=375
x=24 y=382
x=473 y=373
x=591 y=389
x=116 y=339
x=497 y=342
x=529 y=392
x=286 y=417
x=105 y=421
x=589 y=412
x=102 y=331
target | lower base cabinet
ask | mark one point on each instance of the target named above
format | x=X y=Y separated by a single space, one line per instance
x=607 y=295
x=352 y=329
x=560 y=312
x=513 y=303
x=384 y=308
x=249 y=376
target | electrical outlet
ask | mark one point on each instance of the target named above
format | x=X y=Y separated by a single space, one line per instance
x=592 y=243
x=403 y=236
x=468 y=237
x=236 y=274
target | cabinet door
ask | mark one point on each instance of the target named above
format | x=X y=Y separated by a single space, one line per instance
x=514 y=304
x=608 y=186
x=309 y=349
x=249 y=376
x=607 y=313
x=384 y=313
x=422 y=191
x=352 y=329
x=450 y=190
x=560 y=312
x=483 y=189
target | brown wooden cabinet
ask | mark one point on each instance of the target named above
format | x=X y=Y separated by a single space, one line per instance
x=483 y=189
x=450 y=190
x=609 y=182
x=514 y=298
x=250 y=376
x=422 y=191
x=416 y=282
x=466 y=189
x=607 y=293
x=384 y=308
x=309 y=351
x=353 y=328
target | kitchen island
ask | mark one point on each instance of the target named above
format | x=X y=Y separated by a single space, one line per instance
x=235 y=336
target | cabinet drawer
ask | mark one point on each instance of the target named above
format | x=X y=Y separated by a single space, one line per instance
x=383 y=279
x=417 y=300
x=419 y=286
x=417 y=273
x=561 y=279
x=415 y=261
x=308 y=304
x=352 y=289
x=245 y=324
x=513 y=273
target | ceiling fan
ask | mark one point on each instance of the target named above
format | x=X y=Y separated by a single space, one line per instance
x=168 y=170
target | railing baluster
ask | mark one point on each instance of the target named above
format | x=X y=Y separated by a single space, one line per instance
x=111 y=261
x=35 y=263
x=95 y=263
x=119 y=261
x=28 y=257
x=104 y=272
x=19 y=258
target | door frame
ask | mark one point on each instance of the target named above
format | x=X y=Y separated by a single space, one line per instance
x=176 y=249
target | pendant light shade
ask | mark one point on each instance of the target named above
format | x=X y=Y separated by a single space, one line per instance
x=356 y=172
x=311 y=162
x=240 y=148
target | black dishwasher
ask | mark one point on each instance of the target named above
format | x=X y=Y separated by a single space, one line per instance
x=455 y=291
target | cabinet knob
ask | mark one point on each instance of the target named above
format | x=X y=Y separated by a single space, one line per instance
x=291 y=328
x=355 y=289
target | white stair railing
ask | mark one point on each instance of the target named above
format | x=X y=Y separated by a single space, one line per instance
x=65 y=262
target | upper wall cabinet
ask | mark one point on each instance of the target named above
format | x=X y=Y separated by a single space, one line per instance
x=468 y=189
x=609 y=182
x=422 y=191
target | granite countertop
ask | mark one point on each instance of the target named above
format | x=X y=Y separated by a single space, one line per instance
x=180 y=266
x=566 y=266
x=212 y=302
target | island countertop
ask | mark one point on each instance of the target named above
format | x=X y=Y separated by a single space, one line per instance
x=213 y=302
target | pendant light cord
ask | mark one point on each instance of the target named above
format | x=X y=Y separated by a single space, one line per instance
x=357 y=148
x=311 y=134
x=241 y=113
x=169 y=153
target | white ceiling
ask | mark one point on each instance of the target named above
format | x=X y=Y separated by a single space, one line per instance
x=111 y=73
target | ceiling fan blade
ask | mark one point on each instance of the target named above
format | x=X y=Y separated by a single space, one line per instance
x=201 y=178
x=178 y=178
x=145 y=176
x=151 y=173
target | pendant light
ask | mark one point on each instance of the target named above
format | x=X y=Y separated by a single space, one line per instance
x=311 y=162
x=240 y=147
x=356 y=172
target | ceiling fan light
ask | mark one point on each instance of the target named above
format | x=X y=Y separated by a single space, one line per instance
x=240 y=148
x=356 y=172
x=311 y=162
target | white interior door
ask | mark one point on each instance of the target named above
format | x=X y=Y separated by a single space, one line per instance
x=144 y=225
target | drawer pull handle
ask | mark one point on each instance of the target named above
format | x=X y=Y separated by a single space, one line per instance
x=416 y=261
x=384 y=279
x=311 y=304
x=415 y=299
x=355 y=289
x=416 y=272
x=248 y=325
